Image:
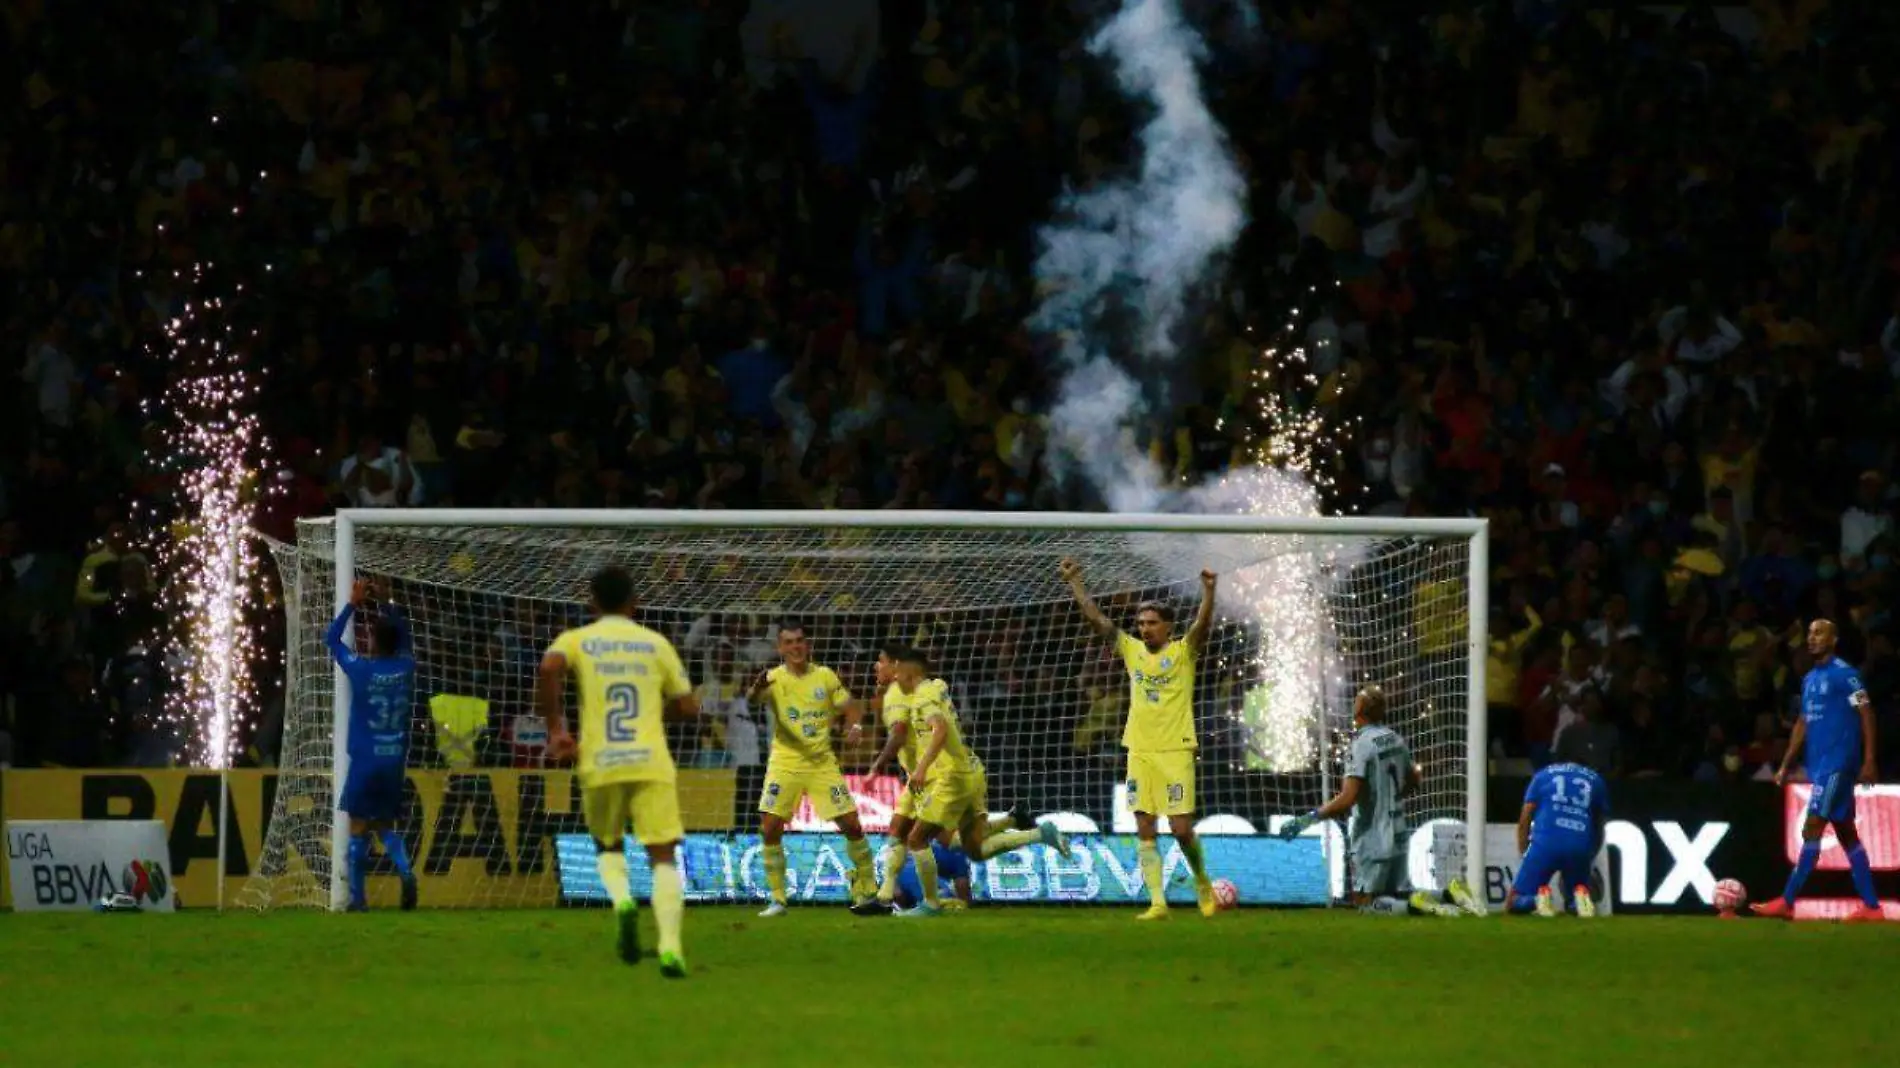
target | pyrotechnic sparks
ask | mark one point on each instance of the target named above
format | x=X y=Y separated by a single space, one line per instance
x=212 y=446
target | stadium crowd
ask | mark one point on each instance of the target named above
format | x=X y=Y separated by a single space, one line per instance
x=1619 y=278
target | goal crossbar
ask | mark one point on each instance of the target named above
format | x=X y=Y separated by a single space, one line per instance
x=1474 y=531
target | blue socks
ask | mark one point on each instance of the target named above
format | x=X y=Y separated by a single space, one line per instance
x=397 y=851
x=1863 y=875
x=1810 y=852
x=359 y=867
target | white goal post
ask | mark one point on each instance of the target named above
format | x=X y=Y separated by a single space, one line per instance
x=1310 y=609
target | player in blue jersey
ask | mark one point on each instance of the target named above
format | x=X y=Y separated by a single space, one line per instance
x=1835 y=737
x=382 y=685
x=953 y=871
x=1559 y=832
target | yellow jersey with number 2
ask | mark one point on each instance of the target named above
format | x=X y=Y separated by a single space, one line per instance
x=1160 y=695
x=803 y=707
x=624 y=674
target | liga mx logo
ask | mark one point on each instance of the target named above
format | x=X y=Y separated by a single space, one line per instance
x=145 y=880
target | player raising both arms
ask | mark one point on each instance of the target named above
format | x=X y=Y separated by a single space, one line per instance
x=1559 y=831
x=903 y=744
x=950 y=787
x=382 y=685
x=1160 y=735
x=805 y=698
x=626 y=677
x=1835 y=737
x=1379 y=773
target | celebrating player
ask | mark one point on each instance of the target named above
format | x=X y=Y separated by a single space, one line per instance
x=1160 y=733
x=1379 y=773
x=1835 y=736
x=950 y=786
x=626 y=677
x=381 y=687
x=1559 y=830
x=902 y=744
x=805 y=698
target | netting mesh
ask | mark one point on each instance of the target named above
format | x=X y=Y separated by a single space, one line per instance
x=1303 y=620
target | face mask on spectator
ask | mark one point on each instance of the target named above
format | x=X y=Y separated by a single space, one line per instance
x=1659 y=508
x=1826 y=571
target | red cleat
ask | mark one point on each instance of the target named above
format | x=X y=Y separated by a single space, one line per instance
x=1774 y=908
x=1865 y=914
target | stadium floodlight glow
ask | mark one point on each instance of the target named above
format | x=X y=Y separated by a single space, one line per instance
x=1397 y=601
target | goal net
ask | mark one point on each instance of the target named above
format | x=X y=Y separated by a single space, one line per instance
x=1308 y=611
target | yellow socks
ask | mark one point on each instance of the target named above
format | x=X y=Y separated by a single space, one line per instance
x=1197 y=861
x=926 y=861
x=863 y=875
x=999 y=824
x=894 y=856
x=669 y=904
x=612 y=865
x=998 y=844
x=1150 y=857
x=775 y=872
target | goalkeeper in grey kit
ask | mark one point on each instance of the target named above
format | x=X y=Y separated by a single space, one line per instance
x=1379 y=773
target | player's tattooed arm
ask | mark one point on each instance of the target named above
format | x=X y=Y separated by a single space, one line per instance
x=1091 y=612
x=550 y=696
x=899 y=731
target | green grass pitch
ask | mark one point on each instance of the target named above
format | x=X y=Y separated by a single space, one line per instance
x=1040 y=986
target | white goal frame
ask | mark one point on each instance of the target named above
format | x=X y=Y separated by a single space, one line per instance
x=1476 y=533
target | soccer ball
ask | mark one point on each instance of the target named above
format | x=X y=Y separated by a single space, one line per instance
x=1226 y=894
x=1730 y=895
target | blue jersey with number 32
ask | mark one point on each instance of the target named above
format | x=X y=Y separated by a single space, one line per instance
x=1572 y=803
x=381 y=689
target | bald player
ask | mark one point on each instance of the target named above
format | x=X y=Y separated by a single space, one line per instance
x=1835 y=737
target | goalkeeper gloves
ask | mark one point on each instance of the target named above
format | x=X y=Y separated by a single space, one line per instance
x=1297 y=826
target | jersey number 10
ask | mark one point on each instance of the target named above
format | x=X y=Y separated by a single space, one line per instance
x=623 y=710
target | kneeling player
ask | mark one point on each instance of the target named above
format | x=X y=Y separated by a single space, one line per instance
x=1379 y=773
x=951 y=790
x=1559 y=832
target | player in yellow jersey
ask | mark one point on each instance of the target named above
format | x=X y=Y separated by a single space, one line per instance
x=902 y=744
x=1160 y=733
x=949 y=786
x=626 y=677
x=805 y=698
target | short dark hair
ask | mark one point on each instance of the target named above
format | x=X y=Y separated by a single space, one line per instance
x=791 y=624
x=910 y=654
x=386 y=635
x=1160 y=608
x=612 y=587
x=1375 y=702
x=893 y=650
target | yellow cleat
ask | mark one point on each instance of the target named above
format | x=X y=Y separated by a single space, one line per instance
x=1204 y=892
x=1155 y=912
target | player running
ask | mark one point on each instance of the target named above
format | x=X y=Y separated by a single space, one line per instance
x=1835 y=736
x=902 y=744
x=382 y=685
x=1379 y=773
x=805 y=698
x=1559 y=831
x=1160 y=734
x=950 y=787
x=626 y=677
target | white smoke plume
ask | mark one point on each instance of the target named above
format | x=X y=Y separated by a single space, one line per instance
x=1143 y=244
x=1128 y=255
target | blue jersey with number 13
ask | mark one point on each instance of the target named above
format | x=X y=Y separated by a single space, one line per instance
x=381 y=689
x=1572 y=803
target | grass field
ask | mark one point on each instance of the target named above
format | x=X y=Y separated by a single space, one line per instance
x=1042 y=987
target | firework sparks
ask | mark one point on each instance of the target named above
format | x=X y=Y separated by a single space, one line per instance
x=212 y=444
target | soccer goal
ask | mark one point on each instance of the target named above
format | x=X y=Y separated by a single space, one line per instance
x=1308 y=612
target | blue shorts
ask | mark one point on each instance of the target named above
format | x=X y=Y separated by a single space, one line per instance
x=1832 y=797
x=373 y=793
x=951 y=865
x=1542 y=863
